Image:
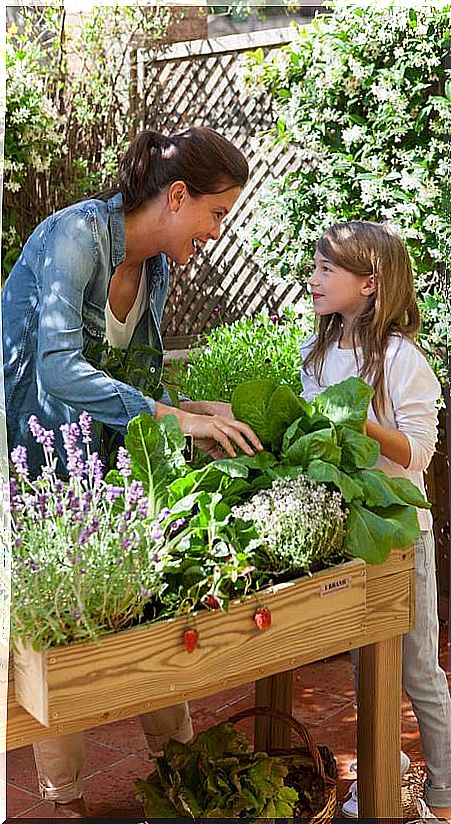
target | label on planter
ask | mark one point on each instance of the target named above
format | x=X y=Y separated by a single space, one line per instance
x=337 y=585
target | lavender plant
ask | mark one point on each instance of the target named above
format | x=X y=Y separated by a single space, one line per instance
x=301 y=526
x=85 y=559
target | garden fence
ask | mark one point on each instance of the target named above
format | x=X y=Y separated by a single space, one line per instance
x=198 y=83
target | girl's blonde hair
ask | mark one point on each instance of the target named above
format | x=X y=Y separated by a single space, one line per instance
x=365 y=249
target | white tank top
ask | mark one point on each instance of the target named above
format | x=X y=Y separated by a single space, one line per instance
x=119 y=334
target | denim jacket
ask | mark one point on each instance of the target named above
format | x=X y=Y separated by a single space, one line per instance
x=53 y=307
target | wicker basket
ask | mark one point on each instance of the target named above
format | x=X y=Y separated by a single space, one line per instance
x=326 y=815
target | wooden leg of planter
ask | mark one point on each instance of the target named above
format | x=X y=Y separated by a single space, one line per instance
x=379 y=730
x=274 y=691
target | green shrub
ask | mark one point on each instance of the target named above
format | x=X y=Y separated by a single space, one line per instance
x=264 y=346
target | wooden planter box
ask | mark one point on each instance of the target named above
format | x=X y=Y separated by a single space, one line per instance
x=81 y=685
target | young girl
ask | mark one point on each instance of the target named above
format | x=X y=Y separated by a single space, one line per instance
x=367 y=319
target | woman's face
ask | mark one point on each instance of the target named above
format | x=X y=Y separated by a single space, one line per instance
x=195 y=220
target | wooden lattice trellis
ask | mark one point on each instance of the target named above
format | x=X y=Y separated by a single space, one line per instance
x=197 y=84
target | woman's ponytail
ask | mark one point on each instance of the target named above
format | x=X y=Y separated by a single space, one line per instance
x=201 y=157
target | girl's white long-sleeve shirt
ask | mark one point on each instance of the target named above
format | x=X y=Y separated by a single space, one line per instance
x=412 y=391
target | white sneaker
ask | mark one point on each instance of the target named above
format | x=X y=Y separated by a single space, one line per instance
x=350 y=807
x=425 y=813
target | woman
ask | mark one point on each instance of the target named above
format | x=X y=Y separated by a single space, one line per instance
x=96 y=271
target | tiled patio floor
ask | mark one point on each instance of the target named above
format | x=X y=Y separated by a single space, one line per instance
x=117 y=755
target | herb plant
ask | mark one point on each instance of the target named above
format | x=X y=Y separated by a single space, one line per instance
x=264 y=346
x=85 y=559
x=300 y=524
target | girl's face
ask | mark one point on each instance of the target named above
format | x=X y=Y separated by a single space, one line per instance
x=335 y=289
x=195 y=220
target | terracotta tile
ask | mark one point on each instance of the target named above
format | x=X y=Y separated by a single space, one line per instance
x=21 y=770
x=99 y=757
x=126 y=735
x=18 y=801
x=43 y=810
x=110 y=793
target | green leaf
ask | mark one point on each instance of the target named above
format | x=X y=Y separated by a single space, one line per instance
x=154 y=800
x=408 y=492
x=323 y=472
x=156 y=452
x=346 y=403
x=358 y=450
x=319 y=445
x=371 y=535
x=284 y=407
x=250 y=401
x=381 y=490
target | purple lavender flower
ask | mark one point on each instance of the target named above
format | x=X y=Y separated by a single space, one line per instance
x=123 y=462
x=33 y=566
x=156 y=534
x=83 y=536
x=164 y=514
x=75 y=463
x=112 y=493
x=74 y=501
x=177 y=524
x=144 y=592
x=95 y=468
x=59 y=487
x=126 y=542
x=134 y=493
x=85 y=421
x=18 y=542
x=45 y=437
x=216 y=310
x=142 y=508
x=19 y=459
x=76 y=613
x=274 y=318
x=86 y=501
x=59 y=509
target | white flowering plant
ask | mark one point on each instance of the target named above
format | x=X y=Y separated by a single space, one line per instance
x=67 y=107
x=364 y=98
x=300 y=526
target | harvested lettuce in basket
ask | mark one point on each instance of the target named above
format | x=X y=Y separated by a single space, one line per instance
x=216 y=776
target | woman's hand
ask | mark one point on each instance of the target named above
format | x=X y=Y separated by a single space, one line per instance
x=208 y=430
x=208 y=408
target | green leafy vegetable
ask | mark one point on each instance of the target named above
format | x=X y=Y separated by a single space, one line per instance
x=346 y=403
x=250 y=402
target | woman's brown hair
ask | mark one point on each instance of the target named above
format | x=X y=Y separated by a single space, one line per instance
x=201 y=157
x=365 y=248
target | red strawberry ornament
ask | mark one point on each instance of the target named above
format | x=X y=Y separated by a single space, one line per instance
x=262 y=618
x=190 y=639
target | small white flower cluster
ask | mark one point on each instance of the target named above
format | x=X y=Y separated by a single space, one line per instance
x=301 y=525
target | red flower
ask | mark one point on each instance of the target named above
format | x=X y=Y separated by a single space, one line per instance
x=262 y=618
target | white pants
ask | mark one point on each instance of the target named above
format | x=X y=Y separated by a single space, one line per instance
x=59 y=761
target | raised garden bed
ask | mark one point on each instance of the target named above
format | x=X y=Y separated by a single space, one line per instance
x=78 y=686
